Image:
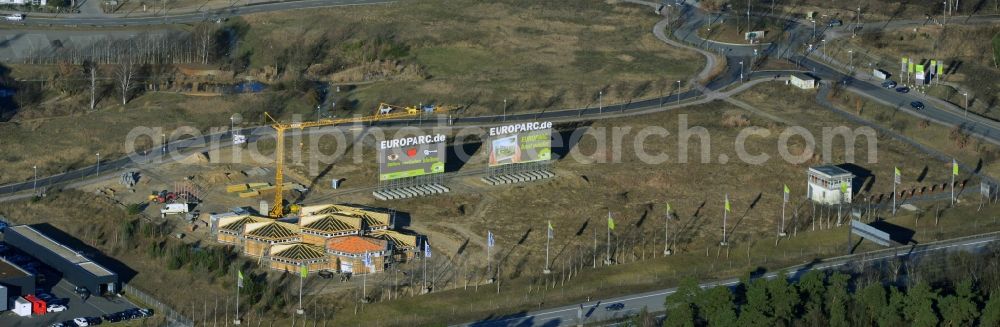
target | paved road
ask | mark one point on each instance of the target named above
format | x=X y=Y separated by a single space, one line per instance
x=191 y=17
x=595 y=311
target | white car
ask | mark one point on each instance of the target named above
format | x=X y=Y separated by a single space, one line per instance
x=56 y=308
x=81 y=322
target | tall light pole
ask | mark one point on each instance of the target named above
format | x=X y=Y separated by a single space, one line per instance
x=34 y=184
x=163 y=143
x=678 y=92
x=741 y=71
x=505 y=109
x=600 y=101
x=748 y=17
x=966 y=104
x=98 y=164
x=851 y=70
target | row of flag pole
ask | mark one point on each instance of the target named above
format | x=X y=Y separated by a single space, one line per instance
x=550 y=230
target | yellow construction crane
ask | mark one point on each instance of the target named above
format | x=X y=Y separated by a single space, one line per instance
x=385 y=111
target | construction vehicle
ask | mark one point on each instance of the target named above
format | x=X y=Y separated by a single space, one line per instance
x=161 y=196
x=385 y=111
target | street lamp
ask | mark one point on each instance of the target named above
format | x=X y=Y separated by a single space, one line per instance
x=164 y=143
x=678 y=92
x=600 y=101
x=741 y=71
x=34 y=184
x=505 y=109
x=966 y=104
x=98 y=164
x=851 y=52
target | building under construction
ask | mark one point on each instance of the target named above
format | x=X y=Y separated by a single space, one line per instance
x=324 y=237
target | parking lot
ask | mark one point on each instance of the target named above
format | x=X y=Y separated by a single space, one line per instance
x=49 y=282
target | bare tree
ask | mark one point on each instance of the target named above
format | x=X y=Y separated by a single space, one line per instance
x=125 y=72
x=92 y=67
x=204 y=35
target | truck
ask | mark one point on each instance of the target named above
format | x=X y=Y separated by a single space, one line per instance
x=14 y=17
x=173 y=208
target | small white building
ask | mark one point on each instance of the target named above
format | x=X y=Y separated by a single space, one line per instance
x=23 y=2
x=825 y=185
x=802 y=81
x=22 y=307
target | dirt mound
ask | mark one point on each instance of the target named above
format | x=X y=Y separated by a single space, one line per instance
x=194 y=159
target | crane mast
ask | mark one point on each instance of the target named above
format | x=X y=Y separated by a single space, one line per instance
x=385 y=111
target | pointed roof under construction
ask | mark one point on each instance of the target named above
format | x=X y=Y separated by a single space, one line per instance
x=372 y=218
x=235 y=224
x=330 y=223
x=271 y=230
x=297 y=252
x=398 y=240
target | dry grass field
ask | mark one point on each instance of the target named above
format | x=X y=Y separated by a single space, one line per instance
x=592 y=180
x=536 y=54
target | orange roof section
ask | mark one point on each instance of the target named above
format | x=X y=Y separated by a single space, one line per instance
x=356 y=244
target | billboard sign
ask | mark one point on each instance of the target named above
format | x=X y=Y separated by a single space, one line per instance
x=411 y=156
x=870 y=233
x=520 y=143
x=753 y=35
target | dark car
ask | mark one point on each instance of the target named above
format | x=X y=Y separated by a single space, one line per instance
x=889 y=84
x=835 y=23
x=903 y=89
x=93 y=321
x=917 y=105
x=615 y=306
x=325 y=274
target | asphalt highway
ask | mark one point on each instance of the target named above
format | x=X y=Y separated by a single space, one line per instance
x=597 y=311
x=190 y=17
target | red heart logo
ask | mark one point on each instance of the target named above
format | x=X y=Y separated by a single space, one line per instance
x=411 y=152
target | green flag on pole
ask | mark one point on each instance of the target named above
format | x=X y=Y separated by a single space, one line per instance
x=898 y=175
x=843 y=188
x=728 y=208
x=909 y=68
x=940 y=68
x=954 y=167
x=668 y=208
x=920 y=69
x=787 y=192
x=239 y=279
x=304 y=271
x=611 y=223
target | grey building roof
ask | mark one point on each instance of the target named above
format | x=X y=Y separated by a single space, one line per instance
x=830 y=171
x=62 y=251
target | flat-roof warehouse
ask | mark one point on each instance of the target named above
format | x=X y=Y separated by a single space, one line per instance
x=75 y=268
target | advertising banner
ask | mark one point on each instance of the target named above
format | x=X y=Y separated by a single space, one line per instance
x=411 y=156
x=520 y=143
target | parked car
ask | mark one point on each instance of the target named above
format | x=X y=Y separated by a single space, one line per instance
x=325 y=274
x=917 y=105
x=615 y=306
x=81 y=322
x=903 y=89
x=890 y=84
x=93 y=321
x=56 y=308
x=45 y=296
x=63 y=324
x=835 y=23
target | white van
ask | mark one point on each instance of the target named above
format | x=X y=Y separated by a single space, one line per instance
x=14 y=17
